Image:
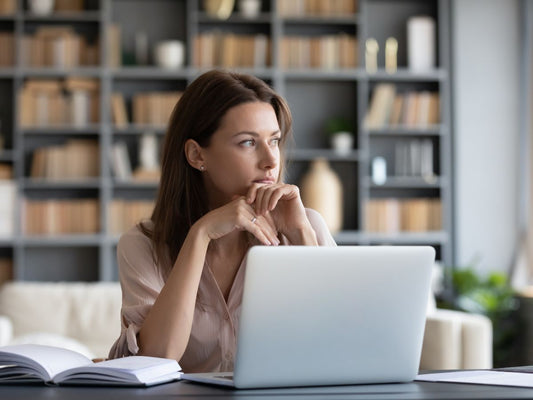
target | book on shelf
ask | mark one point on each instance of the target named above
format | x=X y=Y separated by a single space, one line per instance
x=120 y=160
x=32 y=363
x=114 y=46
x=7 y=44
x=326 y=51
x=394 y=215
x=52 y=102
x=53 y=216
x=58 y=46
x=412 y=109
x=126 y=213
x=302 y=8
x=76 y=159
x=118 y=110
x=414 y=158
x=216 y=48
x=153 y=108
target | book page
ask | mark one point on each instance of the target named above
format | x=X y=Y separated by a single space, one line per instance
x=134 y=369
x=47 y=361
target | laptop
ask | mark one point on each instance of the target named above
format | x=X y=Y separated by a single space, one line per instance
x=315 y=316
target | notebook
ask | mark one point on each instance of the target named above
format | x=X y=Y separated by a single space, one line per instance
x=329 y=316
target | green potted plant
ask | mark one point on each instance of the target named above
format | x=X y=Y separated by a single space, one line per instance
x=490 y=295
x=340 y=134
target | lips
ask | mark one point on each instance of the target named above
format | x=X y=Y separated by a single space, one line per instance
x=267 y=181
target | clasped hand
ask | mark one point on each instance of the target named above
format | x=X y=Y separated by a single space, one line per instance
x=265 y=211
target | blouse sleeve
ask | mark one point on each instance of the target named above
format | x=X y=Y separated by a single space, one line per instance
x=141 y=281
x=322 y=232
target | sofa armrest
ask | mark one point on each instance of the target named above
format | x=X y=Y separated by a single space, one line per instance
x=6 y=330
x=456 y=340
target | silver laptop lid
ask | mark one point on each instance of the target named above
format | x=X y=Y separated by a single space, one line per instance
x=332 y=315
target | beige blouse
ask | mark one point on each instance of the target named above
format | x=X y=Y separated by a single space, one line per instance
x=212 y=343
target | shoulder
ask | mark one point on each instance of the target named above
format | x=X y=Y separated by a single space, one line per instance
x=134 y=240
x=320 y=227
x=135 y=255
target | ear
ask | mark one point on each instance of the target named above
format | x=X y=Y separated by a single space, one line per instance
x=194 y=154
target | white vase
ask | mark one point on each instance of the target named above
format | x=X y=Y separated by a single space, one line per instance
x=170 y=54
x=342 y=143
x=41 y=7
x=249 y=8
x=321 y=190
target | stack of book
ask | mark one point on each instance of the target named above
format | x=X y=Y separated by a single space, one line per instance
x=123 y=214
x=76 y=159
x=414 y=157
x=412 y=109
x=301 y=8
x=392 y=215
x=52 y=217
x=59 y=47
x=7 y=44
x=326 y=51
x=52 y=102
x=148 y=108
x=229 y=50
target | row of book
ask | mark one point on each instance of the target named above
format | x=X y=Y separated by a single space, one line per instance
x=392 y=215
x=51 y=217
x=301 y=8
x=7 y=44
x=54 y=102
x=76 y=159
x=147 y=108
x=414 y=157
x=229 y=50
x=325 y=51
x=414 y=109
x=59 y=47
x=123 y=214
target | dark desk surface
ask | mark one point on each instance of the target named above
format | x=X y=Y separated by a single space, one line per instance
x=415 y=390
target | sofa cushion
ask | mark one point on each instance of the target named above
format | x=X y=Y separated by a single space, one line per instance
x=87 y=312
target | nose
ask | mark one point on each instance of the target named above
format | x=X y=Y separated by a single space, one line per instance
x=269 y=157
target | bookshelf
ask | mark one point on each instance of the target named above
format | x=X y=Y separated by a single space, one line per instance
x=316 y=86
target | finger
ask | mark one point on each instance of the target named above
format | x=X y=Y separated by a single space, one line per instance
x=259 y=203
x=269 y=230
x=274 y=199
x=251 y=195
x=251 y=225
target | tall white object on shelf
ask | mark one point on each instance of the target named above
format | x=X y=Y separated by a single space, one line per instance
x=421 y=43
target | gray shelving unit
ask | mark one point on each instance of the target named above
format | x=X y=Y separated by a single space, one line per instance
x=313 y=95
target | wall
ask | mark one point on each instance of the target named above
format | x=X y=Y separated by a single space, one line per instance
x=486 y=94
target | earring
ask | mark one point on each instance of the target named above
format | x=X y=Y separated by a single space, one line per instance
x=202 y=168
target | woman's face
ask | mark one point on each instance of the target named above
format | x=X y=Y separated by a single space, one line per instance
x=243 y=151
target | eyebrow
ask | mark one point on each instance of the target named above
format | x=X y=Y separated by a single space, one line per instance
x=255 y=134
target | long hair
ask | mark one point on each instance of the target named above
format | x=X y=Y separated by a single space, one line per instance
x=181 y=198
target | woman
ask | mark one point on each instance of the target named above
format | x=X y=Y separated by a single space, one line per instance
x=221 y=191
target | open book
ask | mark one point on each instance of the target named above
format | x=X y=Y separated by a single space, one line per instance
x=54 y=365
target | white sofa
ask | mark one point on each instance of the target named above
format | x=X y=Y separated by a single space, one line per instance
x=85 y=317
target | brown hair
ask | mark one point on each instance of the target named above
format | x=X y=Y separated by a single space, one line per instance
x=181 y=199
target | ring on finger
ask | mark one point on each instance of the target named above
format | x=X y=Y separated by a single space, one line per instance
x=254 y=219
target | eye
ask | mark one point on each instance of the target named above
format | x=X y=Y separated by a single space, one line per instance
x=275 y=141
x=247 y=143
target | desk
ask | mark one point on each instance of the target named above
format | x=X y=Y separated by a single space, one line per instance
x=176 y=390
